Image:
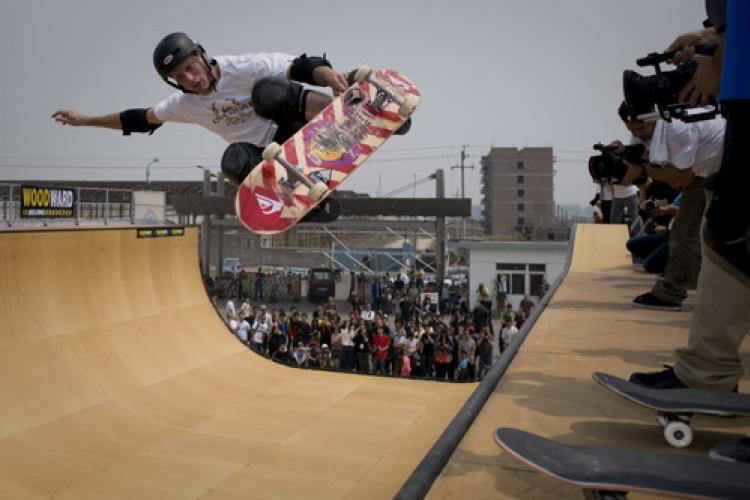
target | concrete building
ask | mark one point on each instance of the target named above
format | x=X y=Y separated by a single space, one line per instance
x=524 y=263
x=517 y=193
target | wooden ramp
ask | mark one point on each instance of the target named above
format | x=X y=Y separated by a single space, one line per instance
x=119 y=380
x=588 y=326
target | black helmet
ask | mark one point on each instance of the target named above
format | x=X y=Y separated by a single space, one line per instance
x=171 y=51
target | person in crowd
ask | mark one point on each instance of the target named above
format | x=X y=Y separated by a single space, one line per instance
x=484 y=353
x=243 y=330
x=509 y=333
x=526 y=305
x=362 y=348
x=427 y=353
x=300 y=355
x=398 y=344
x=381 y=344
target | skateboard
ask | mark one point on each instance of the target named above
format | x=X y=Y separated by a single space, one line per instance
x=295 y=177
x=605 y=472
x=675 y=407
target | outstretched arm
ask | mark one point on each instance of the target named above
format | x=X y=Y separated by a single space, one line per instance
x=136 y=120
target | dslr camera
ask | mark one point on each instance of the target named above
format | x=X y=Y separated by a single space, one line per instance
x=609 y=168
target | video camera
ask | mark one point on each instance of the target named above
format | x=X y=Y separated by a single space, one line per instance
x=609 y=167
x=663 y=88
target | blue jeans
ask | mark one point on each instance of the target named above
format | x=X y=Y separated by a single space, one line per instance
x=653 y=249
x=656 y=262
x=642 y=246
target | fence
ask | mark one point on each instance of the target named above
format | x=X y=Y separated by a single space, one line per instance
x=92 y=206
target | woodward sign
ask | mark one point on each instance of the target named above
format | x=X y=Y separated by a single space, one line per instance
x=47 y=202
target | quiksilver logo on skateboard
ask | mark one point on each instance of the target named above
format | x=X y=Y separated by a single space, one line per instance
x=268 y=205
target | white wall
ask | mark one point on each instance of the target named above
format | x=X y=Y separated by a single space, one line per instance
x=484 y=256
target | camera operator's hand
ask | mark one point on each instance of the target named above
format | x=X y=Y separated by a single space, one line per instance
x=670 y=210
x=684 y=44
x=616 y=147
x=704 y=85
x=633 y=173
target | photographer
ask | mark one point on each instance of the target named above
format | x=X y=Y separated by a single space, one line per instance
x=722 y=316
x=682 y=154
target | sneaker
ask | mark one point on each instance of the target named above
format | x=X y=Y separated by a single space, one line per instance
x=665 y=379
x=732 y=451
x=650 y=301
x=404 y=128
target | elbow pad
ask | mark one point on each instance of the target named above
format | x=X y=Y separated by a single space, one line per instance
x=134 y=120
x=302 y=68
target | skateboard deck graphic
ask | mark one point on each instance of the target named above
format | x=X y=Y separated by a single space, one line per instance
x=618 y=470
x=676 y=406
x=325 y=151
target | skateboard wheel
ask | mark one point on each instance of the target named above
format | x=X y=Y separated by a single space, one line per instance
x=678 y=434
x=318 y=191
x=363 y=73
x=271 y=151
x=407 y=108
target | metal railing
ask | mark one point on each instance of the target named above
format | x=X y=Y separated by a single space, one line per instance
x=93 y=206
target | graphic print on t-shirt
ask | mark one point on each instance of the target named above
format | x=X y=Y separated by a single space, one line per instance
x=232 y=112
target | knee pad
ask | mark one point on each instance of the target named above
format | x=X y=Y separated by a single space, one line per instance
x=279 y=100
x=239 y=159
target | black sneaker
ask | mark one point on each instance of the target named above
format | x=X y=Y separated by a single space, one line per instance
x=238 y=160
x=665 y=379
x=650 y=301
x=732 y=451
x=404 y=128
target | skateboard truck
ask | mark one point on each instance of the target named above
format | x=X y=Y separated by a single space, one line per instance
x=406 y=105
x=316 y=191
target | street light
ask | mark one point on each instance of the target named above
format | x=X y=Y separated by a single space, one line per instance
x=148 y=171
x=201 y=167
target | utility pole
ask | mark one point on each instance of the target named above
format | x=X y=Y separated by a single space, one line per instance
x=440 y=241
x=463 y=167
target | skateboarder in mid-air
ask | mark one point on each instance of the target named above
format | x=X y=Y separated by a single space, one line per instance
x=250 y=100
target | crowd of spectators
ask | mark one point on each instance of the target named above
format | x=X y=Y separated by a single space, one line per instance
x=412 y=339
x=258 y=285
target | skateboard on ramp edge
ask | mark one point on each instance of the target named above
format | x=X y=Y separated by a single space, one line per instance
x=675 y=407
x=605 y=472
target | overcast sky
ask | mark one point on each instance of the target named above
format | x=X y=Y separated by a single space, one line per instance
x=504 y=73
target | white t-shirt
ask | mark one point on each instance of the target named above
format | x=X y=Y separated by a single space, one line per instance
x=229 y=111
x=624 y=191
x=347 y=337
x=230 y=307
x=686 y=145
x=508 y=334
x=242 y=330
x=368 y=315
x=258 y=336
x=262 y=324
